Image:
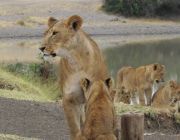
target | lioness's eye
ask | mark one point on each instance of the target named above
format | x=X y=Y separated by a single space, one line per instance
x=54 y=33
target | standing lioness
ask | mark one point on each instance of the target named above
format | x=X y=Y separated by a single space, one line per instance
x=81 y=57
x=138 y=82
x=100 y=115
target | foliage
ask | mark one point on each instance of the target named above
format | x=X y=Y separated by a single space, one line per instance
x=26 y=81
x=146 y=8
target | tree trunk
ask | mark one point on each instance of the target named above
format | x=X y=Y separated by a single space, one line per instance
x=132 y=126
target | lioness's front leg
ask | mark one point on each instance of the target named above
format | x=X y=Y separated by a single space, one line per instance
x=148 y=94
x=141 y=97
x=72 y=114
x=74 y=111
x=133 y=98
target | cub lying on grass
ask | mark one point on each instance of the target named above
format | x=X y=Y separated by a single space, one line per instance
x=167 y=96
x=100 y=114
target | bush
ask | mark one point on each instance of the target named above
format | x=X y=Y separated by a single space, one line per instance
x=44 y=70
x=147 y=8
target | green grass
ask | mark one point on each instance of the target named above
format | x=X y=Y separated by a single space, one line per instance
x=27 y=88
x=14 y=137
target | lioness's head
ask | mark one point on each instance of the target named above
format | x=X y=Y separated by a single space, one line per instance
x=59 y=34
x=174 y=89
x=157 y=72
x=97 y=88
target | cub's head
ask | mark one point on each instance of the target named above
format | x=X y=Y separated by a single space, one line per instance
x=97 y=88
x=157 y=72
x=60 y=34
x=124 y=97
x=174 y=90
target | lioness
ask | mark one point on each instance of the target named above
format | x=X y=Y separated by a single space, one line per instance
x=139 y=81
x=80 y=57
x=167 y=96
x=100 y=115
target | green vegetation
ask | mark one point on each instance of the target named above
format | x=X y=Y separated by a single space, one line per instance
x=26 y=82
x=147 y=8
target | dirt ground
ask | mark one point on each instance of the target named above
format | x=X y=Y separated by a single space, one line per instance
x=22 y=23
x=106 y=29
x=32 y=119
x=42 y=120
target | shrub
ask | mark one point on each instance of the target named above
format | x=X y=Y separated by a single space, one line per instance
x=146 y=8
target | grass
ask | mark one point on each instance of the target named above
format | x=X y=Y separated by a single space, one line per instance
x=32 y=21
x=14 y=137
x=5 y=24
x=145 y=8
x=149 y=111
x=25 y=87
x=122 y=108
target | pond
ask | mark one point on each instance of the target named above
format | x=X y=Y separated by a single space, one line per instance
x=166 y=52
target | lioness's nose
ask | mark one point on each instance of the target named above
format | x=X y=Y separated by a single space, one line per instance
x=42 y=48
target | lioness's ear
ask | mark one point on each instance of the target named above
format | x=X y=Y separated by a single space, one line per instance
x=155 y=66
x=74 y=22
x=51 y=21
x=163 y=66
x=85 y=84
x=109 y=82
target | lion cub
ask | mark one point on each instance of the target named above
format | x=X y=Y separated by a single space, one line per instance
x=167 y=96
x=100 y=115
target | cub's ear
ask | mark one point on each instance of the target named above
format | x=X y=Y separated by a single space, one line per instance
x=163 y=66
x=109 y=83
x=172 y=84
x=51 y=21
x=74 y=22
x=85 y=84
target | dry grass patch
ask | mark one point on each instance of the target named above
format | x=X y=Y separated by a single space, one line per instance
x=32 y=21
x=14 y=137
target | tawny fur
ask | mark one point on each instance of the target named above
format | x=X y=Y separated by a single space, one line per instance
x=167 y=96
x=81 y=57
x=138 y=82
x=100 y=123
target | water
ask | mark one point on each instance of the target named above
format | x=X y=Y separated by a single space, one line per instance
x=166 y=52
